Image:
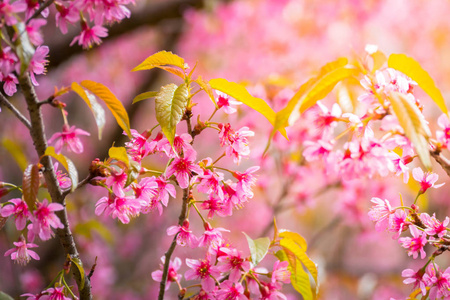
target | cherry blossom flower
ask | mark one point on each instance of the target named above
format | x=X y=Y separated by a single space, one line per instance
x=69 y=138
x=56 y=293
x=233 y=262
x=8 y=10
x=66 y=15
x=181 y=144
x=439 y=282
x=90 y=36
x=165 y=190
x=145 y=191
x=184 y=235
x=32 y=29
x=43 y=219
x=37 y=64
x=203 y=270
x=123 y=207
x=246 y=181
x=416 y=243
x=211 y=235
x=214 y=205
x=280 y=272
x=415 y=277
x=226 y=102
x=19 y=209
x=230 y=290
x=8 y=60
x=210 y=183
x=380 y=213
x=172 y=275
x=21 y=254
x=9 y=83
x=31 y=7
x=444 y=135
x=182 y=168
x=117 y=181
x=398 y=223
x=139 y=146
x=63 y=180
x=434 y=227
x=426 y=180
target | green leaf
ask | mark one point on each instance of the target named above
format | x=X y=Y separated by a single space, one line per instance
x=411 y=68
x=239 y=93
x=161 y=58
x=86 y=229
x=96 y=109
x=170 y=104
x=77 y=262
x=119 y=153
x=258 y=248
x=67 y=163
x=16 y=152
x=30 y=185
x=299 y=278
x=4 y=296
x=133 y=172
x=207 y=88
x=416 y=129
x=144 y=96
x=113 y=104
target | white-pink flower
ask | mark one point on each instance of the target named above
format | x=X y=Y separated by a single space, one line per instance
x=427 y=180
x=21 y=253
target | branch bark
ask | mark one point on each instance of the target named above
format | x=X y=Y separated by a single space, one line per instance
x=40 y=144
x=444 y=162
x=15 y=111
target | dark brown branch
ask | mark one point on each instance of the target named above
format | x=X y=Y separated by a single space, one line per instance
x=148 y=16
x=443 y=161
x=15 y=111
x=37 y=133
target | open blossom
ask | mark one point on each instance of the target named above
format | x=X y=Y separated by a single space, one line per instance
x=182 y=168
x=211 y=235
x=380 y=213
x=416 y=243
x=397 y=222
x=443 y=135
x=69 y=138
x=230 y=290
x=37 y=63
x=280 y=272
x=203 y=270
x=19 y=209
x=226 y=102
x=246 y=181
x=10 y=82
x=43 y=219
x=122 y=207
x=66 y=15
x=56 y=293
x=116 y=181
x=439 y=282
x=172 y=275
x=21 y=253
x=8 y=10
x=185 y=236
x=426 y=180
x=233 y=262
x=433 y=225
x=181 y=145
x=90 y=36
x=415 y=277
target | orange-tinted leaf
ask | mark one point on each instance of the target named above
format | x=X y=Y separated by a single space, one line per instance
x=67 y=163
x=30 y=185
x=161 y=58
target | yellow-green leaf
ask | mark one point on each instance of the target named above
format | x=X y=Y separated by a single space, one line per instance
x=258 y=248
x=111 y=101
x=312 y=91
x=144 y=96
x=173 y=70
x=299 y=278
x=295 y=237
x=411 y=68
x=379 y=59
x=30 y=185
x=239 y=93
x=294 y=244
x=170 y=104
x=24 y=49
x=4 y=296
x=16 y=152
x=67 y=163
x=119 y=153
x=207 y=88
x=77 y=262
x=411 y=120
x=161 y=58
x=96 y=109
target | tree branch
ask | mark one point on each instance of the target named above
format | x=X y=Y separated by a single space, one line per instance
x=15 y=111
x=41 y=8
x=444 y=162
x=40 y=144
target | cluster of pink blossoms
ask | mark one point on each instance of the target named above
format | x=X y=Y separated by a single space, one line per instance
x=21 y=14
x=41 y=221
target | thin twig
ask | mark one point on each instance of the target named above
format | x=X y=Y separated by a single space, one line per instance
x=15 y=111
x=443 y=161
